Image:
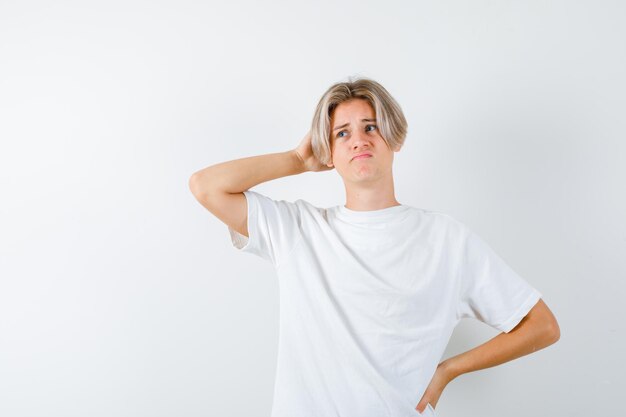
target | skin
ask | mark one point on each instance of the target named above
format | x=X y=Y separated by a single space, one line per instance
x=369 y=186
x=536 y=331
x=368 y=182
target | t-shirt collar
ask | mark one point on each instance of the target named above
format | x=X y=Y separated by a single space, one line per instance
x=369 y=215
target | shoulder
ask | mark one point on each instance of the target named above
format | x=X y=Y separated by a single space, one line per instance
x=295 y=210
x=440 y=220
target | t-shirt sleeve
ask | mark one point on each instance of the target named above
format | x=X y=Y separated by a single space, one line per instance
x=273 y=228
x=490 y=291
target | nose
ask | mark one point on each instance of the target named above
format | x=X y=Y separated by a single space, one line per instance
x=360 y=140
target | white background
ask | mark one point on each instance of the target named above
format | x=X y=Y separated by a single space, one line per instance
x=120 y=295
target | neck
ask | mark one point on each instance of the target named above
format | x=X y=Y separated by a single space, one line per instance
x=371 y=196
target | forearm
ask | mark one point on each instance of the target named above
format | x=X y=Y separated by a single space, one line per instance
x=242 y=174
x=526 y=338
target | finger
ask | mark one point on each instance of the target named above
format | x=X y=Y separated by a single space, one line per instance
x=421 y=406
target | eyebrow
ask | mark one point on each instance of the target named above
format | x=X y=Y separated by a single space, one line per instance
x=363 y=120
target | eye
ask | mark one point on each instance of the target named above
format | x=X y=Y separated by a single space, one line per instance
x=339 y=134
x=374 y=126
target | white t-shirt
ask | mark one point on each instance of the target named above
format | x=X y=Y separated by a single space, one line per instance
x=369 y=300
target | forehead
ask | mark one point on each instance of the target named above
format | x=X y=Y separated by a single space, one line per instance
x=353 y=108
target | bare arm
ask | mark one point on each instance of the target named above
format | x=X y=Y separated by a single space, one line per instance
x=537 y=330
x=219 y=188
x=241 y=174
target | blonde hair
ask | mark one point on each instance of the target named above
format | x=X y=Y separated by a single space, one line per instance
x=390 y=119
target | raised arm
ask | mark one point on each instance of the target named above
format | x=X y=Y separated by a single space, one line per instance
x=219 y=188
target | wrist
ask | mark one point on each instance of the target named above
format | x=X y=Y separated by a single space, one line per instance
x=299 y=160
x=450 y=369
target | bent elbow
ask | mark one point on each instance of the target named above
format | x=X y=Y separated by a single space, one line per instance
x=553 y=332
x=192 y=184
x=557 y=333
x=197 y=185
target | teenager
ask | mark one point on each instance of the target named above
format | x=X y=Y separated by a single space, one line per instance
x=370 y=290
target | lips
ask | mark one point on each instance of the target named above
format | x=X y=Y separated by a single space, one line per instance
x=363 y=155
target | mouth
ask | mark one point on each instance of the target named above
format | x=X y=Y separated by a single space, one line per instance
x=362 y=156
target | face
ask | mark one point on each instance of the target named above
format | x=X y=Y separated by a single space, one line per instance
x=354 y=131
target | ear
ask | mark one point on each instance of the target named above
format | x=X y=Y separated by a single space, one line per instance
x=330 y=163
